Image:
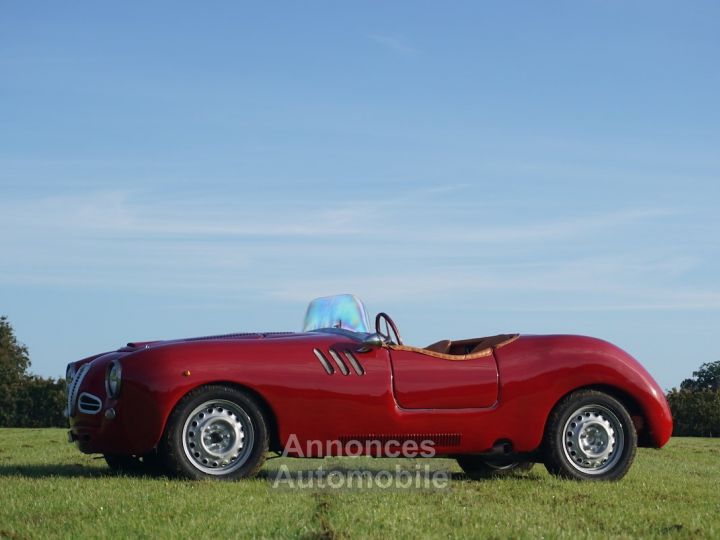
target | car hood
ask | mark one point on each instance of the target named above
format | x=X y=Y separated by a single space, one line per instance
x=135 y=345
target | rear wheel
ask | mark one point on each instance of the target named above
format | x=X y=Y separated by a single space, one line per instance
x=479 y=468
x=216 y=432
x=590 y=436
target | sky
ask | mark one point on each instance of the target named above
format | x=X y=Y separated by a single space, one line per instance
x=176 y=169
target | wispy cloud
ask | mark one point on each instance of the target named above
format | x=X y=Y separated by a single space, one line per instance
x=424 y=242
x=394 y=43
x=549 y=229
x=122 y=214
x=563 y=285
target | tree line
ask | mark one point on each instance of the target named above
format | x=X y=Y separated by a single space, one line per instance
x=695 y=405
x=28 y=400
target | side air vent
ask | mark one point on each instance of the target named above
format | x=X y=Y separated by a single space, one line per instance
x=89 y=404
x=226 y=336
x=439 y=439
x=354 y=363
x=324 y=361
x=340 y=362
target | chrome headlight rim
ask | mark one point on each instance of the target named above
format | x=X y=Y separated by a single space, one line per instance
x=113 y=379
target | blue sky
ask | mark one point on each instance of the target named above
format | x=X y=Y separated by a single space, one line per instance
x=172 y=169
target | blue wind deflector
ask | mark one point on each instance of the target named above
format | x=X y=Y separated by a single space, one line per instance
x=340 y=311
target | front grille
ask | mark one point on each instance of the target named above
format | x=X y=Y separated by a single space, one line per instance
x=74 y=388
x=89 y=404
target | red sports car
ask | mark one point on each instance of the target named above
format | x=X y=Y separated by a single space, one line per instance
x=212 y=407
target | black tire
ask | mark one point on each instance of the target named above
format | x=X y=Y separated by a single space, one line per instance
x=215 y=432
x=589 y=436
x=478 y=468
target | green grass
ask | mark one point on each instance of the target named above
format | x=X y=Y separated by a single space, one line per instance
x=49 y=489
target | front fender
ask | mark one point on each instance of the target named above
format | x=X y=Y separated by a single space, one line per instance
x=155 y=380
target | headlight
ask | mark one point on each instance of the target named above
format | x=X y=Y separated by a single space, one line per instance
x=70 y=373
x=113 y=379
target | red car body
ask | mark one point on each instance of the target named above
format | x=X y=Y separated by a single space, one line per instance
x=466 y=404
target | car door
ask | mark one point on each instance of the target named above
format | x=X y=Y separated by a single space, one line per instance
x=422 y=380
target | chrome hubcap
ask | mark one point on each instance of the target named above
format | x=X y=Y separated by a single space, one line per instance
x=593 y=439
x=218 y=437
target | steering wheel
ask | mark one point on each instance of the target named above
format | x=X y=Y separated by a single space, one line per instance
x=390 y=326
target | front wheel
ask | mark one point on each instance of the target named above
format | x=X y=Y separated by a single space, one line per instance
x=477 y=468
x=590 y=436
x=216 y=432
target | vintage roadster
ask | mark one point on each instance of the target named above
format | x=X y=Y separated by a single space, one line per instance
x=213 y=407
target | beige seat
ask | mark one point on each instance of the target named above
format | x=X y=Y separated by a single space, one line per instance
x=442 y=346
x=491 y=341
x=468 y=346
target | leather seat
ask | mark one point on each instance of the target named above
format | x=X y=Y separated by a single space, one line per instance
x=468 y=346
x=442 y=346
x=491 y=341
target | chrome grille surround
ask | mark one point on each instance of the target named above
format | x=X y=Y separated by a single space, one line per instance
x=89 y=403
x=74 y=388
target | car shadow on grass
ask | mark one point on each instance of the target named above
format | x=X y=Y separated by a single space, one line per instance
x=273 y=475
x=526 y=477
x=45 y=471
x=70 y=471
x=78 y=470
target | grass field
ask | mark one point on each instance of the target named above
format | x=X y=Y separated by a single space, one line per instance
x=49 y=489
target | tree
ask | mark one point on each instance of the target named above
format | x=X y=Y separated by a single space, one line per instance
x=705 y=378
x=42 y=402
x=695 y=413
x=696 y=406
x=14 y=363
x=26 y=400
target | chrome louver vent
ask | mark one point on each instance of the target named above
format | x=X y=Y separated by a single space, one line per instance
x=324 y=361
x=74 y=387
x=438 y=439
x=239 y=335
x=341 y=364
x=357 y=366
x=89 y=404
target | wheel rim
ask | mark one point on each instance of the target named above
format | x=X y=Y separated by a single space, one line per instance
x=218 y=437
x=593 y=439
